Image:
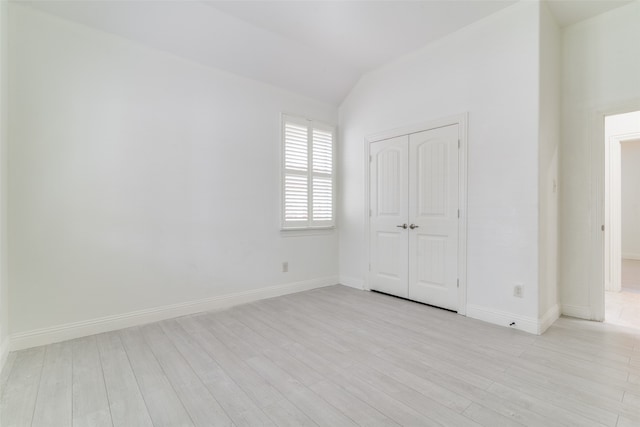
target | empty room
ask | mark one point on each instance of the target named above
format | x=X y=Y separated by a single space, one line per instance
x=319 y=213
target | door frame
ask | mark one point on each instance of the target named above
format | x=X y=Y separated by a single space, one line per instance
x=613 y=224
x=462 y=121
x=596 y=286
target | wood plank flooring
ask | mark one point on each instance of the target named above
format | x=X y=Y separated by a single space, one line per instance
x=623 y=308
x=630 y=277
x=329 y=357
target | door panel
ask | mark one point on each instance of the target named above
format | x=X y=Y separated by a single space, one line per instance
x=433 y=249
x=390 y=253
x=431 y=177
x=433 y=209
x=389 y=209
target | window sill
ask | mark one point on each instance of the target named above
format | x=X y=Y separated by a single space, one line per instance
x=307 y=231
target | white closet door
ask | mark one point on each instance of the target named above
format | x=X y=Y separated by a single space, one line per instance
x=389 y=205
x=433 y=211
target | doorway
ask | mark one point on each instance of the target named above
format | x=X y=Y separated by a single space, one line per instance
x=622 y=219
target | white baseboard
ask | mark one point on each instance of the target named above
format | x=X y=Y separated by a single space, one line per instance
x=581 y=312
x=631 y=256
x=351 y=282
x=548 y=318
x=84 y=328
x=503 y=318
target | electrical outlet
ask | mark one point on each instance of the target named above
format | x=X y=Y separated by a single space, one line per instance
x=518 y=291
x=285 y=267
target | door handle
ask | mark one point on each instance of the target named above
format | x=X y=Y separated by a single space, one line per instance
x=412 y=226
x=403 y=226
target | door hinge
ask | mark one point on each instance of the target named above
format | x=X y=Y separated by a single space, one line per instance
x=602 y=228
x=458 y=143
x=369 y=212
x=370 y=159
x=458 y=213
x=458 y=282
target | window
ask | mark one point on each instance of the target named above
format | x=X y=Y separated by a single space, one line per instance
x=307 y=174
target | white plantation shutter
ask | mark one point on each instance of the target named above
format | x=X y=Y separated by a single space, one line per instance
x=296 y=198
x=308 y=181
x=322 y=151
x=295 y=145
x=322 y=199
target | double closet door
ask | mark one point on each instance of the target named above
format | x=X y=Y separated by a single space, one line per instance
x=414 y=216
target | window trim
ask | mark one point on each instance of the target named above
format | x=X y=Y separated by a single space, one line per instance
x=310 y=124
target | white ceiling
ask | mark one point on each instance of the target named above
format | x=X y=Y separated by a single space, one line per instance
x=568 y=12
x=315 y=48
x=363 y=34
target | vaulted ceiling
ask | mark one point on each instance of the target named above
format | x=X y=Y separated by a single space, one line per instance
x=315 y=48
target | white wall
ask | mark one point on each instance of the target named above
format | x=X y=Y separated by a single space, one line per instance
x=4 y=284
x=601 y=65
x=489 y=69
x=550 y=60
x=139 y=179
x=630 y=199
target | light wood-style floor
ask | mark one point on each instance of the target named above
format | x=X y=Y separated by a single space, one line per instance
x=630 y=275
x=623 y=308
x=331 y=357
